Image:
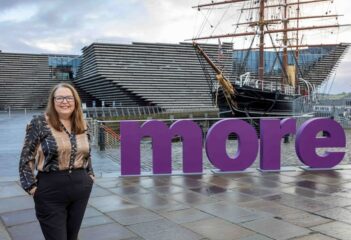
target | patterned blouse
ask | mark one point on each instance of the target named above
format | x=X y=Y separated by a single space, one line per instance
x=47 y=149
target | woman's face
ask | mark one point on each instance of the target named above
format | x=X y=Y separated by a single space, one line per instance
x=64 y=102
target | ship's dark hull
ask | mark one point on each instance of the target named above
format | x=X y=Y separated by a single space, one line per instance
x=253 y=102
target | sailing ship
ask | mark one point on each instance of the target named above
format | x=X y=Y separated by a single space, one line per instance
x=278 y=27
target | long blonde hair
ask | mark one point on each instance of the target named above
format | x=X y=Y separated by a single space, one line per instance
x=78 y=124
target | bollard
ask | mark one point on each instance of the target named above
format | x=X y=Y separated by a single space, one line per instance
x=102 y=139
x=325 y=133
x=286 y=138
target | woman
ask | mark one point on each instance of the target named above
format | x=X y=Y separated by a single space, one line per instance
x=57 y=144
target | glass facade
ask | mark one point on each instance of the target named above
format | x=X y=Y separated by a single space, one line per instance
x=250 y=59
x=64 y=67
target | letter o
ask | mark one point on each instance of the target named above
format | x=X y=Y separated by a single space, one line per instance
x=216 y=145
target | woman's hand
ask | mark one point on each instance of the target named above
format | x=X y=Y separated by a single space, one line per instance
x=32 y=191
x=92 y=177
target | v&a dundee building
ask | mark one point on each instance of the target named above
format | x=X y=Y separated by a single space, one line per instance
x=166 y=76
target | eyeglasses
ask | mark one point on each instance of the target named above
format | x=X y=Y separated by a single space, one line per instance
x=60 y=99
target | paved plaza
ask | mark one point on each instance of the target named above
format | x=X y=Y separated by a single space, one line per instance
x=292 y=204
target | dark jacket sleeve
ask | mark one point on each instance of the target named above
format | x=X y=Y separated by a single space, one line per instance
x=89 y=166
x=27 y=159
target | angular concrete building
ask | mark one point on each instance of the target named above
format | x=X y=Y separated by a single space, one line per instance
x=148 y=74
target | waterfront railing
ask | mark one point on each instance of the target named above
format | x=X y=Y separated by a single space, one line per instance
x=121 y=112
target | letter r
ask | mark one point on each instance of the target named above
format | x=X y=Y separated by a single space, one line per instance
x=271 y=133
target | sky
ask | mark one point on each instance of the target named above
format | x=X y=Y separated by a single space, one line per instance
x=66 y=26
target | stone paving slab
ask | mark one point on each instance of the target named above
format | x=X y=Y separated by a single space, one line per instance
x=256 y=237
x=92 y=212
x=235 y=197
x=230 y=212
x=339 y=214
x=219 y=229
x=95 y=221
x=133 y=216
x=26 y=231
x=109 y=203
x=18 y=217
x=105 y=232
x=270 y=208
x=11 y=189
x=276 y=229
x=163 y=229
x=192 y=198
x=316 y=236
x=186 y=215
x=15 y=203
x=337 y=230
x=305 y=219
x=300 y=202
x=299 y=191
x=4 y=234
x=153 y=202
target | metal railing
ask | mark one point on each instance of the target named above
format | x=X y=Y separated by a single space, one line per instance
x=97 y=112
x=270 y=86
x=337 y=109
x=9 y=111
x=106 y=134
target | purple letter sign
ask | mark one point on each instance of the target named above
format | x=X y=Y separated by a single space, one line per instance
x=307 y=143
x=132 y=133
x=271 y=134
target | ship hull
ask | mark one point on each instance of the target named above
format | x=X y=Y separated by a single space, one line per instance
x=253 y=102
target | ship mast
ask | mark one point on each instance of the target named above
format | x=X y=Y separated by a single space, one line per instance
x=261 y=24
x=285 y=42
x=297 y=45
x=297 y=32
x=228 y=89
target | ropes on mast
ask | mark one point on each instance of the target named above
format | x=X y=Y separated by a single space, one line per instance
x=206 y=20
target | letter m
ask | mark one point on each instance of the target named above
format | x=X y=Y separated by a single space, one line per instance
x=161 y=135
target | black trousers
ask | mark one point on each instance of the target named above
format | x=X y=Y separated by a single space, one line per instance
x=60 y=202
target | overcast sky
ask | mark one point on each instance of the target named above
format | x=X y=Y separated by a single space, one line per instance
x=62 y=26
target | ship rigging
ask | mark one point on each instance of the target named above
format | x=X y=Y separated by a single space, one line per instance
x=278 y=25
